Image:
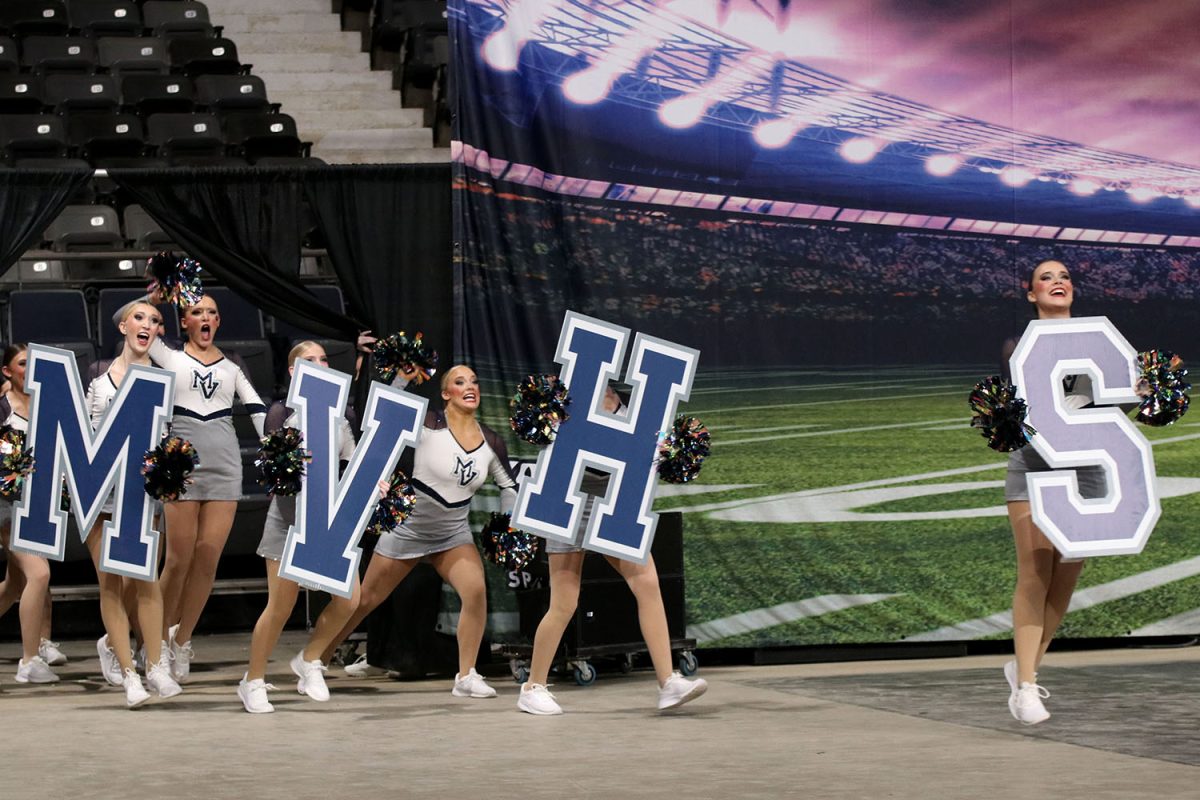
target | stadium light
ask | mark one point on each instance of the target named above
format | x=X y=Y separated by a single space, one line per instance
x=943 y=164
x=1192 y=200
x=501 y=51
x=859 y=150
x=775 y=133
x=683 y=111
x=1083 y=187
x=588 y=86
x=1142 y=194
x=1016 y=177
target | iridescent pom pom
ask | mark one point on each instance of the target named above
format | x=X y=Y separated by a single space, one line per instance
x=167 y=468
x=174 y=279
x=395 y=506
x=398 y=353
x=682 y=450
x=1000 y=414
x=281 y=460
x=16 y=464
x=507 y=548
x=538 y=408
x=1163 y=386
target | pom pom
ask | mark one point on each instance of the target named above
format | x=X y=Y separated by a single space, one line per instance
x=281 y=460
x=16 y=464
x=538 y=408
x=1000 y=414
x=682 y=450
x=1163 y=386
x=167 y=468
x=174 y=279
x=398 y=353
x=395 y=506
x=507 y=548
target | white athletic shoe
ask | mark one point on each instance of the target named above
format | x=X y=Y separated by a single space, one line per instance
x=535 y=698
x=471 y=685
x=135 y=693
x=50 y=653
x=254 y=695
x=1026 y=704
x=361 y=669
x=181 y=660
x=679 y=690
x=160 y=680
x=108 y=662
x=312 y=677
x=35 y=670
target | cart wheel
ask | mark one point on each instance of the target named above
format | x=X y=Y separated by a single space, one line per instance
x=585 y=673
x=687 y=663
x=626 y=664
x=519 y=669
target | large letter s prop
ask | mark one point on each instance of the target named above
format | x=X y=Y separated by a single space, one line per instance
x=550 y=503
x=322 y=549
x=1119 y=523
x=62 y=441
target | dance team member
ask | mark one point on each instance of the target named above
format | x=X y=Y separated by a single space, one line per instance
x=282 y=592
x=139 y=326
x=1045 y=580
x=452 y=460
x=566 y=569
x=199 y=523
x=27 y=580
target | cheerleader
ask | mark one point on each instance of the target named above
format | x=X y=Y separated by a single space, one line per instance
x=28 y=576
x=199 y=523
x=566 y=567
x=140 y=325
x=1045 y=580
x=451 y=462
x=282 y=593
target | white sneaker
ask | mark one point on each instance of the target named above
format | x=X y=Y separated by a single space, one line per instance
x=1026 y=704
x=108 y=662
x=181 y=660
x=35 y=670
x=254 y=695
x=361 y=669
x=471 y=685
x=135 y=693
x=312 y=677
x=679 y=690
x=535 y=698
x=50 y=653
x=160 y=680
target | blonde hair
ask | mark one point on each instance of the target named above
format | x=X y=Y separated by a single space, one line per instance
x=446 y=375
x=127 y=309
x=299 y=349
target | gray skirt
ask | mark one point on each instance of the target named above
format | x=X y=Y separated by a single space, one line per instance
x=555 y=546
x=280 y=516
x=1026 y=460
x=218 y=476
x=403 y=543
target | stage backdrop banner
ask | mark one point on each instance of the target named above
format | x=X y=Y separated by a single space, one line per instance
x=850 y=260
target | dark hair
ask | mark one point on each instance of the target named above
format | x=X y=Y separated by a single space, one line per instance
x=1033 y=272
x=12 y=351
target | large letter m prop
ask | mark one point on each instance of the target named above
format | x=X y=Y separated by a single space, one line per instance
x=625 y=445
x=94 y=464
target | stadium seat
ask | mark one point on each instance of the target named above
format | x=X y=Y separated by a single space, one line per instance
x=204 y=56
x=112 y=300
x=240 y=319
x=157 y=94
x=172 y=19
x=10 y=57
x=53 y=316
x=105 y=17
x=185 y=136
x=85 y=228
x=24 y=136
x=256 y=136
x=106 y=136
x=122 y=56
x=341 y=353
x=35 y=270
x=33 y=17
x=221 y=93
x=144 y=232
x=103 y=269
x=45 y=55
x=20 y=94
x=74 y=94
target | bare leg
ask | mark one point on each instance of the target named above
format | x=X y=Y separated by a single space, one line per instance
x=182 y=521
x=212 y=531
x=281 y=599
x=652 y=615
x=47 y=613
x=112 y=605
x=1058 y=599
x=383 y=576
x=565 y=571
x=33 y=597
x=1036 y=559
x=462 y=569
x=331 y=621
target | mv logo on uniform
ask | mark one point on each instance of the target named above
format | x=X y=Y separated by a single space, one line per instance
x=550 y=503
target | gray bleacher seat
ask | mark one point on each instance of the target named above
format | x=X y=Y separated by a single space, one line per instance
x=47 y=55
x=10 y=58
x=176 y=18
x=35 y=270
x=122 y=56
x=105 y=18
x=24 y=136
x=85 y=228
x=56 y=317
x=69 y=94
x=144 y=232
x=32 y=17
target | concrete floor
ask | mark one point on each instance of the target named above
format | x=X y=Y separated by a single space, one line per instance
x=1124 y=726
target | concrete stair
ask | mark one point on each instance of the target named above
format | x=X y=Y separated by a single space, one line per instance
x=321 y=77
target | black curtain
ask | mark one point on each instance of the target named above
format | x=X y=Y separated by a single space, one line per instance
x=243 y=226
x=29 y=202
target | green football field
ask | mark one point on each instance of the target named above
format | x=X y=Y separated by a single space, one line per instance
x=843 y=506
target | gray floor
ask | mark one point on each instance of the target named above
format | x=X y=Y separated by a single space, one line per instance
x=1124 y=726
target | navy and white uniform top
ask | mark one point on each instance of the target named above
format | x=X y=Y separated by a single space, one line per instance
x=100 y=394
x=205 y=391
x=11 y=418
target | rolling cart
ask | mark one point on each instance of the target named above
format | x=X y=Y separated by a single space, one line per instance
x=605 y=625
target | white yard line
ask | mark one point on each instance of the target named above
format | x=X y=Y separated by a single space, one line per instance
x=885 y=399
x=760 y=618
x=1181 y=624
x=858 y=429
